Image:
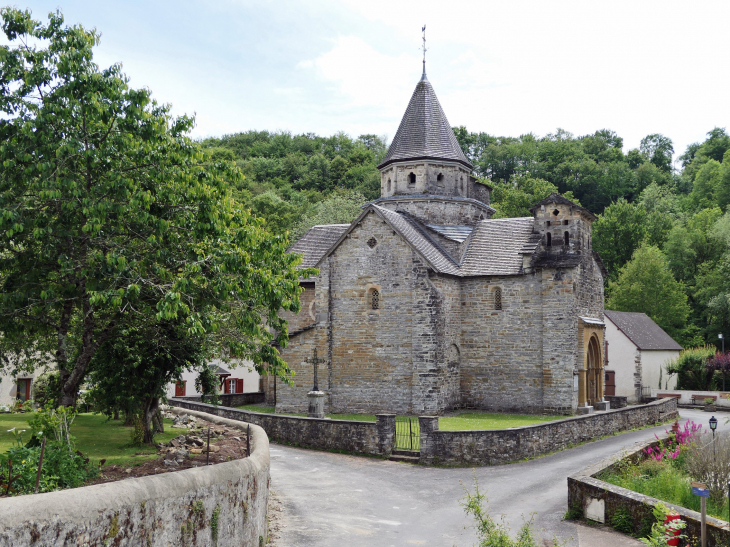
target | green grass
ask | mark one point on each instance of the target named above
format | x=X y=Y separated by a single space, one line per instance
x=96 y=438
x=665 y=482
x=470 y=421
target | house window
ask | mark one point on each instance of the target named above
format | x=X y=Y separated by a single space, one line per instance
x=549 y=240
x=566 y=238
x=180 y=388
x=234 y=385
x=498 y=298
x=23 y=393
x=374 y=299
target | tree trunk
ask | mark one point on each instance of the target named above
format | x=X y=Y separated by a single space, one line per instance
x=158 y=424
x=129 y=419
x=116 y=414
x=150 y=410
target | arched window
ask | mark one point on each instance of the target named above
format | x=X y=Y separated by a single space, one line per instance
x=440 y=178
x=374 y=299
x=389 y=186
x=549 y=240
x=498 y=298
x=411 y=179
x=566 y=238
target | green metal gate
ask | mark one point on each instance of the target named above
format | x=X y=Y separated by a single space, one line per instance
x=407 y=433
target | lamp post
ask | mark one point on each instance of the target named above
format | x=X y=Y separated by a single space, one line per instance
x=713 y=427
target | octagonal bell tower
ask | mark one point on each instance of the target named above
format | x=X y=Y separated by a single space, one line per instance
x=425 y=165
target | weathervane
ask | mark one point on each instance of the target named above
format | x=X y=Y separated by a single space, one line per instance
x=424 y=52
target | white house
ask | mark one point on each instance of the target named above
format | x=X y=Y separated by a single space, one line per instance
x=15 y=387
x=242 y=378
x=637 y=350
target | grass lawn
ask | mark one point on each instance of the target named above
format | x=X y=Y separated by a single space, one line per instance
x=469 y=421
x=96 y=438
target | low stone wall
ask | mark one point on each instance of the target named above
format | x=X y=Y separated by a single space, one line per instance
x=599 y=501
x=722 y=398
x=375 y=438
x=489 y=447
x=223 y=504
x=233 y=399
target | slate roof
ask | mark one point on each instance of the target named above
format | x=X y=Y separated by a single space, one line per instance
x=454 y=233
x=424 y=132
x=642 y=331
x=496 y=246
x=316 y=242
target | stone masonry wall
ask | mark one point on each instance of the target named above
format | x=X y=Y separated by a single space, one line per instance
x=224 y=505
x=307 y=316
x=440 y=211
x=501 y=358
x=374 y=438
x=507 y=445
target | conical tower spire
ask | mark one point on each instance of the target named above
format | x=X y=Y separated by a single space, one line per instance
x=424 y=132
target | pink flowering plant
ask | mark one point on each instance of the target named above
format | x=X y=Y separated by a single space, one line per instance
x=671 y=447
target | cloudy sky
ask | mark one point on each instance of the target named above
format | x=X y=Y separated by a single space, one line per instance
x=503 y=67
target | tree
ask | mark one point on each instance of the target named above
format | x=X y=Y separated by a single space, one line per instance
x=617 y=233
x=340 y=208
x=131 y=372
x=110 y=216
x=658 y=149
x=645 y=284
x=515 y=199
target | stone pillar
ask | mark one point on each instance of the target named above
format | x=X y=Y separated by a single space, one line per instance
x=581 y=387
x=429 y=425
x=316 y=404
x=386 y=433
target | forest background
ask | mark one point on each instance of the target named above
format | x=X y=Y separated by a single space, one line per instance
x=662 y=228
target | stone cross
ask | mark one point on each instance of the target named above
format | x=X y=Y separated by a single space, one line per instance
x=315 y=361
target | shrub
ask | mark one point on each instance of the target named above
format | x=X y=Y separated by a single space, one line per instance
x=47 y=388
x=691 y=368
x=622 y=521
x=54 y=423
x=61 y=469
x=708 y=461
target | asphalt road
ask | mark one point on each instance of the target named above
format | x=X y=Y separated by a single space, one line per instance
x=337 y=500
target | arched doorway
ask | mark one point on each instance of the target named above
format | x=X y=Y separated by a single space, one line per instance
x=594 y=387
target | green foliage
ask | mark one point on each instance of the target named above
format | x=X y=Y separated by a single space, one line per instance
x=46 y=389
x=491 y=533
x=207 y=384
x=622 y=520
x=617 y=233
x=514 y=199
x=138 y=430
x=54 y=423
x=61 y=468
x=214 y=524
x=691 y=370
x=112 y=216
x=661 y=533
x=339 y=208
x=646 y=285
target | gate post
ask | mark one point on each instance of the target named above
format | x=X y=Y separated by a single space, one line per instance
x=386 y=433
x=429 y=426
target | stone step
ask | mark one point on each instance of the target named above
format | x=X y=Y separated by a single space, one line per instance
x=406 y=456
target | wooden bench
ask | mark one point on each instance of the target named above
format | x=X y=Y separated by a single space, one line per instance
x=700 y=399
x=663 y=395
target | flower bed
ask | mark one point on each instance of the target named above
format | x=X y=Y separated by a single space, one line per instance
x=668 y=468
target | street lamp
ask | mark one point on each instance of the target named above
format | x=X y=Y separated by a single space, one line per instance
x=713 y=426
x=722 y=337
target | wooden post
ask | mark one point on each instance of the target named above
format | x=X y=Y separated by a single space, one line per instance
x=704 y=521
x=40 y=465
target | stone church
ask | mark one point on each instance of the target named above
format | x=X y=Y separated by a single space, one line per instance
x=424 y=303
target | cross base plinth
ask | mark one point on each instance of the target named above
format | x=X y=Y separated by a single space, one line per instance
x=316 y=404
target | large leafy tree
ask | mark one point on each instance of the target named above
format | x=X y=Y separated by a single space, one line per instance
x=645 y=284
x=617 y=233
x=110 y=215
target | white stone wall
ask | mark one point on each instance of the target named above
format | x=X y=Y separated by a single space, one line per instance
x=622 y=359
x=238 y=368
x=653 y=366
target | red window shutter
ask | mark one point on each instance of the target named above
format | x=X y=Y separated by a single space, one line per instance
x=239 y=385
x=226 y=387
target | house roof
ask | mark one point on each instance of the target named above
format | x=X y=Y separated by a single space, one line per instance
x=316 y=242
x=424 y=132
x=219 y=371
x=642 y=331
